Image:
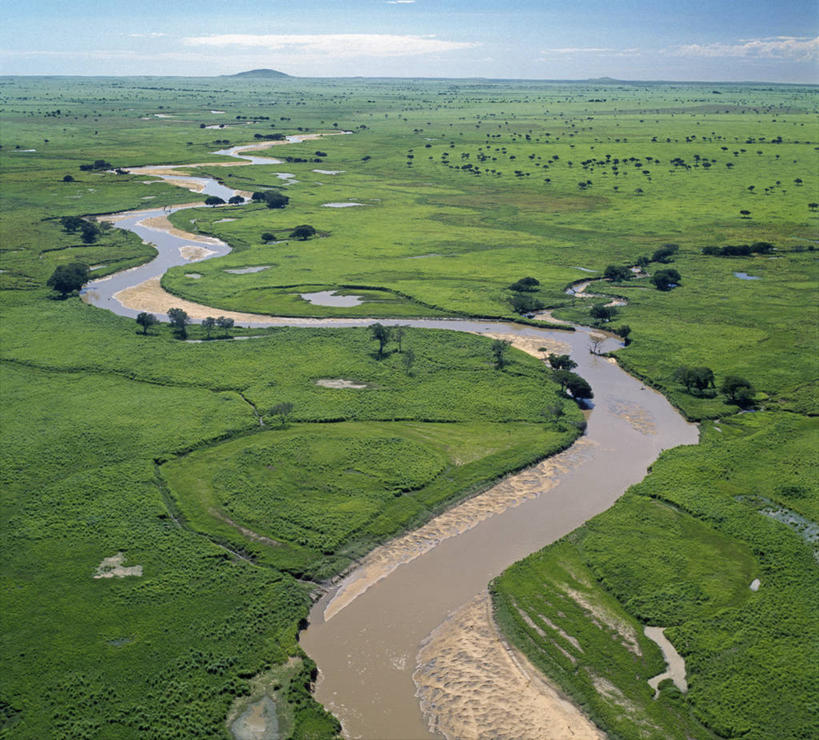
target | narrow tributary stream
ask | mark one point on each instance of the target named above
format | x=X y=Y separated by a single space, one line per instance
x=374 y=634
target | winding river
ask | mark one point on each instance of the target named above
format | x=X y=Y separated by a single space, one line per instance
x=405 y=643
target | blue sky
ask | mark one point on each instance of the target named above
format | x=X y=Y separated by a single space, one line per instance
x=732 y=40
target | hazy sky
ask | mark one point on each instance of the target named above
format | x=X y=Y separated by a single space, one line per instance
x=765 y=40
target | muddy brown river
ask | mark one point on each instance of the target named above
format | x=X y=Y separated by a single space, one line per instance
x=404 y=643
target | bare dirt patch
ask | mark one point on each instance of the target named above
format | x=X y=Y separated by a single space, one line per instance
x=161 y=223
x=113 y=568
x=340 y=383
x=470 y=684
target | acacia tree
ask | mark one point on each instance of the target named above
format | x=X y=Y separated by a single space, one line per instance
x=561 y=362
x=303 y=232
x=381 y=334
x=146 y=321
x=179 y=319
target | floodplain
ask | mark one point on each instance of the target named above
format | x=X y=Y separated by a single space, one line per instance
x=170 y=454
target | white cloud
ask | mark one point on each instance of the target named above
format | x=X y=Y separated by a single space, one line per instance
x=335 y=44
x=399 y=2
x=151 y=35
x=569 y=50
x=778 y=47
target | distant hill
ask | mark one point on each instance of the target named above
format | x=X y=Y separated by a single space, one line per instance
x=259 y=73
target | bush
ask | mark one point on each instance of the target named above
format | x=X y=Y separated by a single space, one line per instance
x=525 y=284
x=665 y=279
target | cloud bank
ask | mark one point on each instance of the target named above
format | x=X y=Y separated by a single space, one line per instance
x=337 y=45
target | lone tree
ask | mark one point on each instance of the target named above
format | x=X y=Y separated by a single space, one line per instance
x=408 y=360
x=603 y=313
x=381 y=334
x=525 y=284
x=146 y=321
x=68 y=178
x=665 y=279
x=665 y=253
x=236 y=200
x=561 y=362
x=523 y=303
x=68 y=278
x=207 y=324
x=398 y=336
x=745 y=213
x=268 y=237
x=499 y=349
x=738 y=390
x=224 y=323
x=282 y=411
x=179 y=320
x=214 y=200
x=699 y=378
x=303 y=232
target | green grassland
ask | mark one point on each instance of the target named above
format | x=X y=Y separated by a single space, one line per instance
x=118 y=442
x=680 y=551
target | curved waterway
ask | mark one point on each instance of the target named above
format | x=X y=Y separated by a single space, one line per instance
x=405 y=643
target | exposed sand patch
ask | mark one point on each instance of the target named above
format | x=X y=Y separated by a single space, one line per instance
x=161 y=223
x=675 y=663
x=471 y=685
x=339 y=383
x=509 y=492
x=192 y=252
x=113 y=567
x=537 y=347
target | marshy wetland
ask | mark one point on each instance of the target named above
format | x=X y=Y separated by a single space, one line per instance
x=387 y=505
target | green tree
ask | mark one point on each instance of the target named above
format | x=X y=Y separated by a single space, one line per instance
x=303 y=232
x=179 y=320
x=738 y=389
x=574 y=384
x=561 y=362
x=398 y=335
x=214 y=200
x=499 y=350
x=665 y=253
x=68 y=278
x=623 y=332
x=603 y=313
x=207 y=324
x=225 y=323
x=665 y=279
x=283 y=411
x=146 y=321
x=268 y=237
x=381 y=334
x=699 y=378
x=408 y=360
x=236 y=200
x=525 y=284
x=617 y=273
x=523 y=303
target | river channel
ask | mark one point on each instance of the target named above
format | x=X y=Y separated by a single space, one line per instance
x=374 y=634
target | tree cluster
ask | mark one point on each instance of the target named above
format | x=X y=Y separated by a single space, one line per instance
x=271 y=198
x=666 y=279
x=739 y=250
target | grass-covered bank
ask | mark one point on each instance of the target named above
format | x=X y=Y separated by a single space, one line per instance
x=681 y=551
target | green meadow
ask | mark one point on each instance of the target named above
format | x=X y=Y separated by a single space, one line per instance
x=169 y=453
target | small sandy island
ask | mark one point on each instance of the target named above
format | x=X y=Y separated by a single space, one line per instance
x=192 y=252
x=471 y=684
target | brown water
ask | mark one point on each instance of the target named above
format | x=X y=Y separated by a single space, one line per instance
x=367 y=651
x=369 y=643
